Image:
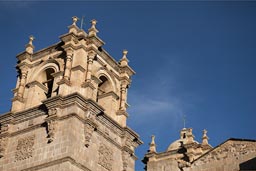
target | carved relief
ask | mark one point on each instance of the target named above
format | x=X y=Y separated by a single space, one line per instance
x=182 y=164
x=25 y=148
x=52 y=111
x=88 y=130
x=233 y=149
x=51 y=129
x=105 y=157
x=125 y=159
x=3 y=146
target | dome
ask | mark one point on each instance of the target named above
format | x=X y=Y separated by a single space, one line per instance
x=183 y=139
x=177 y=144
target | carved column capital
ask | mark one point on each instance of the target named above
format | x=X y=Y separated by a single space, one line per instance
x=69 y=52
x=91 y=56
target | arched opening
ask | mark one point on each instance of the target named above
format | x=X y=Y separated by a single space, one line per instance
x=184 y=135
x=103 y=87
x=48 y=82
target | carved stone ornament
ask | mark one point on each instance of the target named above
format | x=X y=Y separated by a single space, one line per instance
x=105 y=157
x=88 y=130
x=3 y=145
x=182 y=164
x=229 y=150
x=24 y=149
x=51 y=130
x=125 y=159
x=52 y=111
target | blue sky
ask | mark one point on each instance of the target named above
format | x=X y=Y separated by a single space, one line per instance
x=191 y=58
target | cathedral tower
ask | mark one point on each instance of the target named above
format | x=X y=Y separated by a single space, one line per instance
x=69 y=108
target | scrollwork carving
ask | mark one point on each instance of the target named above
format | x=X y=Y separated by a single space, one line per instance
x=233 y=149
x=88 y=130
x=52 y=111
x=125 y=159
x=24 y=149
x=51 y=130
x=105 y=157
x=3 y=145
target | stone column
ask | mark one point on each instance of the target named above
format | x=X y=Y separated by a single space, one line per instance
x=124 y=85
x=24 y=72
x=91 y=56
x=67 y=73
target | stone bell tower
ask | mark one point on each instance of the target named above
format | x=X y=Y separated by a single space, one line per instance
x=69 y=108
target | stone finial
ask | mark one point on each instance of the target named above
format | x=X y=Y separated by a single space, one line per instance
x=93 y=22
x=205 y=138
x=190 y=135
x=124 y=61
x=73 y=28
x=152 y=145
x=29 y=46
x=75 y=19
x=93 y=31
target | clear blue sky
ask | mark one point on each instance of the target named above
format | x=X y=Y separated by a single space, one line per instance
x=192 y=58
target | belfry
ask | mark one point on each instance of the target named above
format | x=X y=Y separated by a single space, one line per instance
x=69 y=108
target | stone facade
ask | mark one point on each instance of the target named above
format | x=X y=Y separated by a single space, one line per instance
x=69 y=114
x=186 y=154
x=69 y=109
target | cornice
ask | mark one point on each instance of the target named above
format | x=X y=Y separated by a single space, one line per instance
x=6 y=117
x=128 y=69
x=28 y=114
x=95 y=40
x=37 y=83
x=134 y=134
x=111 y=93
x=78 y=68
x=45 y=51
x=59 y=101
x=57 y=162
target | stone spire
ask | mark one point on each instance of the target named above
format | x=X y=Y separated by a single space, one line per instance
x=124 y=61
x=205 y=138
x=29 y=46
x=152 y=145
x=93 y=31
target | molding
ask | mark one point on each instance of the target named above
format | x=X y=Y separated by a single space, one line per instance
x=78 y=68
x=64 y=81
x=57 y=162
x=111 y=93
x=36 y=83
x=122 y=112
x=6 y=117
x=45 y=51
x=56 y=74
x=88 y=84
x=28 y=114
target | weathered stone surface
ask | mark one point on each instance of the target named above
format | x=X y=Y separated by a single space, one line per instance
x=64 y=112
x=189 y=155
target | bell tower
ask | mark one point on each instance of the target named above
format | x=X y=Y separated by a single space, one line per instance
x=69 y=108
